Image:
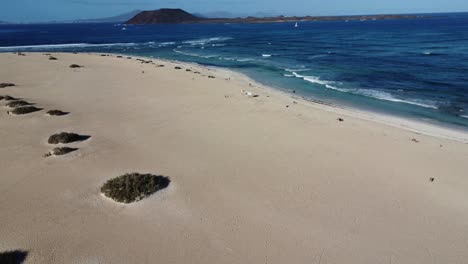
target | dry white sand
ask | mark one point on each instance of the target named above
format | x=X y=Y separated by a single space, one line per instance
x=252 y=180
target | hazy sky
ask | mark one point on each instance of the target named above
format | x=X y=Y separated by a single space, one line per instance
x=47 y=10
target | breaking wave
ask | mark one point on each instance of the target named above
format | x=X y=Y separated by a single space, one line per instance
x=365 y=92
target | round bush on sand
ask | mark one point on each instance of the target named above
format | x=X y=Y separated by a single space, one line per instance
x=60 y=151
x=24 y=110
x=133 y=187
x=56 y=113
x=65 y=138
x=17 y=103
x=7 y=98
x=3 y=85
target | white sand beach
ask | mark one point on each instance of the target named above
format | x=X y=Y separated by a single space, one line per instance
x=267 y=179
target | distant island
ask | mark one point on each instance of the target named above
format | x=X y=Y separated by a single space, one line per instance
x=179 y=16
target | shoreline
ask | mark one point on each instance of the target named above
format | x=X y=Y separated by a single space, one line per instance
x=409 y=124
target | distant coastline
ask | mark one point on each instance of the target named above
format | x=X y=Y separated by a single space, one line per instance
x=179 y=16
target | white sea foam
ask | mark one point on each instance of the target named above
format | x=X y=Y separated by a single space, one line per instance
x=244 y=59
x=317 y=56
x=64 y=46
x=388 y=97
x=296 y=70
x=365 y=92
x=266 y=55
x=194 y=54
x=464 y=116
x=204 y=41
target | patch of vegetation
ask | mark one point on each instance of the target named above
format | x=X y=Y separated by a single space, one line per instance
x=57 y=113
x=65 y=137
x=4 y=85
x=7 y=98
x=52 y=58
x=73 y=66
x=133 y=187
x=60 y=151
x=13 y=257
x=17 y=103
x=24 y=110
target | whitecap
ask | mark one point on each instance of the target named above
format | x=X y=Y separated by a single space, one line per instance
x=194 y=54
x=64 y=46
x=204 y=41
x=365 y=92
x=266 y=55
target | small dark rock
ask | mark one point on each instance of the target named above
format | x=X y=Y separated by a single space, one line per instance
x=188 y=70
x=119 y=56
x=52 y=58
x=4 y=85
x=340 y=119
x=211 y=77
x=65 y=138
x=431 y=179
x=177 y=68
x=161 y=65
x=75 y=66
x=415 y=140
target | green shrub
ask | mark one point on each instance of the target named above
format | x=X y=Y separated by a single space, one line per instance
x=56 y=113
x=7 y=98
x=13 y=257
x=133 y=187
x=17 y=103
x=60 y=151
x=3 y=85
x=65 y=138
x=25 y=110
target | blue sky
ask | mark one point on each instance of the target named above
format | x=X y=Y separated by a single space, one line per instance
x=47 y=10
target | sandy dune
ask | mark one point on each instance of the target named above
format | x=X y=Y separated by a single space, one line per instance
x=253 y=181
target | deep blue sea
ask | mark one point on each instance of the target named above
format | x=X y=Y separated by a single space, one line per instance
x=416 y=68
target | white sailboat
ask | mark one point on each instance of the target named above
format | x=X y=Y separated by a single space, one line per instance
x=297 y=25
